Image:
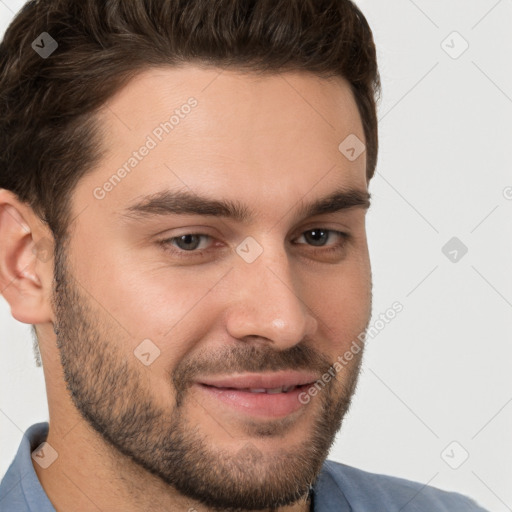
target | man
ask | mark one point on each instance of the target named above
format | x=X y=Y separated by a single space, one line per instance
x=182 y=216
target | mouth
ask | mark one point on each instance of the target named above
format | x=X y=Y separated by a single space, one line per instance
x=268 y=391
x=259 y=395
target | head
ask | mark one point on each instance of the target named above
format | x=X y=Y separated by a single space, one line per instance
x=184 y=189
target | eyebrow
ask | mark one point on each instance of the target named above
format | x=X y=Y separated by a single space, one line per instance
x=168 y=202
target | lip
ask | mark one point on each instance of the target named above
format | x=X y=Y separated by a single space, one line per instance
x=261 y=380
x=233 y=392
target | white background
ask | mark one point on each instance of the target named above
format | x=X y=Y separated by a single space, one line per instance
x=441 y=370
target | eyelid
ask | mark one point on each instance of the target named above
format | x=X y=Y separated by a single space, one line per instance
x=325 y=224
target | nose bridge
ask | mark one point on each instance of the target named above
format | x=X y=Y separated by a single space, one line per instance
x=267 y=303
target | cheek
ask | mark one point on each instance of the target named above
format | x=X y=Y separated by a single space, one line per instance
x=175 y=309
x=138 y=301
x=343 y=303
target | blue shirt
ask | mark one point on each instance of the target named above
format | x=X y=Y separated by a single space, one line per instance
x=339 y=488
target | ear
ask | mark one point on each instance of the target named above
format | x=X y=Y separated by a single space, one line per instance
x=26 y=261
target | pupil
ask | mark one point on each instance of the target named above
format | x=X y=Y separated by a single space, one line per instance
x=187 y=239
x=316 y=234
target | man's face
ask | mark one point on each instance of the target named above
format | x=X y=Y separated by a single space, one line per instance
x=159 y=341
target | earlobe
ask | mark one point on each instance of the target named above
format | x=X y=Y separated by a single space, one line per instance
x=24 y=274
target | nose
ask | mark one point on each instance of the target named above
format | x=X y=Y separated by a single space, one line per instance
x=266 y=303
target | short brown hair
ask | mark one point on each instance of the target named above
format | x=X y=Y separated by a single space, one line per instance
x=49 y=134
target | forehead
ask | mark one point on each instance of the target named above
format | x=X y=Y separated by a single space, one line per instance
x=228 y=91
x=225 y=133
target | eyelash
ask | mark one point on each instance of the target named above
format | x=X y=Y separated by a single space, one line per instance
x=166 y=244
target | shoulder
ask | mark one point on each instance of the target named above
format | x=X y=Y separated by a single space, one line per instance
x=20 y=489
x=365 y=491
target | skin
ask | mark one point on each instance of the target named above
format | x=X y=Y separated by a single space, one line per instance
x=272 y=144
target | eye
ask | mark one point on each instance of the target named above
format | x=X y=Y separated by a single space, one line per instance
x=190 y=245
x=189 y=242
x=319 y=236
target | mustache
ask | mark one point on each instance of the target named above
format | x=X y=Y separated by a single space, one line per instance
x=247 y=358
